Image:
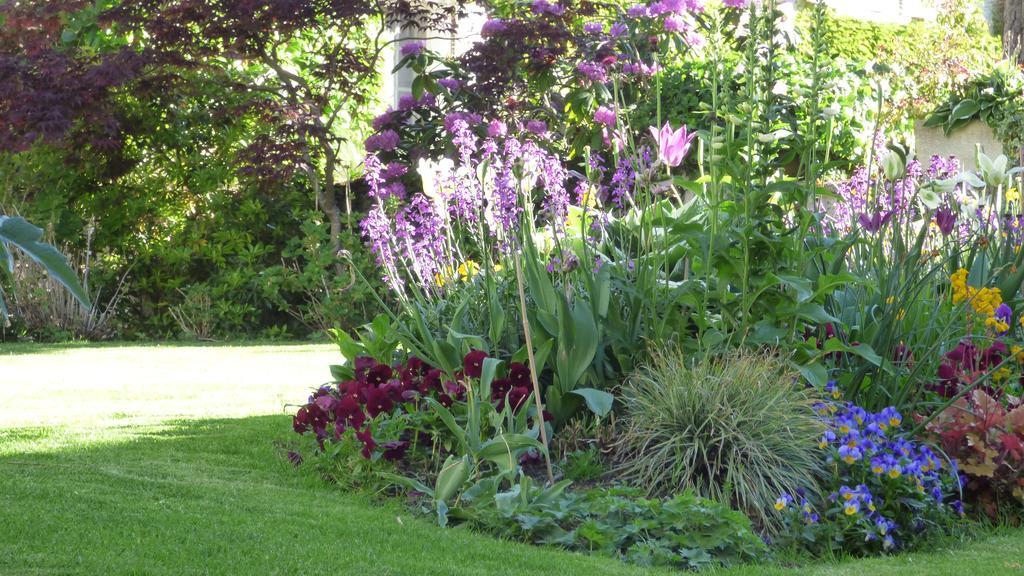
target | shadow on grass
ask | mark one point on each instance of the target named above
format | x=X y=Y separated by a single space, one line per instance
x=216 y=496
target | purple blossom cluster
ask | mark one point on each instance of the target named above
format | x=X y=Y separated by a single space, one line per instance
x=884 y=483
x=383 y=141
x=869 y=204
x=487 y=183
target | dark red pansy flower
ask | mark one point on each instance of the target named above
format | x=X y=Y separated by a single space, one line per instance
x=394 y=389
x=519 y=374
x=416 y=366
x=455 y=389
x=326 y=403
x=300 y=422
x=445 y=400
x=901 y=354
x=378 y=401
x=369 y=445
x=993 y=355
x=346 y=407
x=517 y=396
x=432 y=381
x=379 y=374
x=352 y=389
x=357 y=419
x=947 y=373
x=499 y=388
x=362 y=365
x=531 y=456
x=473 y=363
x=395 y=450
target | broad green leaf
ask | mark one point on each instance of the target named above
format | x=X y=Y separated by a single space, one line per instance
x=452 y=477
x=342 y=373
x=964 y=110
x=348 y=346
x=599 y=401
x=863 y=350
x=815 y=373
x=18 y=232
x=802 y=286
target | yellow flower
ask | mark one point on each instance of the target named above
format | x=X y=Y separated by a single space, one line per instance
x=1012 y=195
x=441 y=278
x=1001 y=375
x=1018 y=351
x=468 y=269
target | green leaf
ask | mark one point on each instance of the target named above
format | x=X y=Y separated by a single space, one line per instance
x=505 y=444
x=452 y=477
x=342 y=373
x=487 y=373
x=815 y=373
x=409 y=483
x=863 y=350
x=348 y=346
x=418 y=87
x=964 y=110
x=449 y=421
x=801 y=285
x=815 y=313
x=599 y=401
x=506 y=449
x=3 y=309
x=17 y=231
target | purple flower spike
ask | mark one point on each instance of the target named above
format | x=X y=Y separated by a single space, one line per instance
x=673 y=146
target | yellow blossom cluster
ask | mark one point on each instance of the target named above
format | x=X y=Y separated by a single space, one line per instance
x=984 y=301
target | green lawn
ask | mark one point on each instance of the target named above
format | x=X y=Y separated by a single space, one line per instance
x=165 y=460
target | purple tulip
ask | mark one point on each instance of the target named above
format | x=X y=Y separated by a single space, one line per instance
x=673 y=146
x=945 y=219
x=875 y=222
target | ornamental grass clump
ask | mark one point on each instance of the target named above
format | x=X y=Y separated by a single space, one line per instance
x=739 y=428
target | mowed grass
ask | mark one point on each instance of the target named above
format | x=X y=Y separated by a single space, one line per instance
x=167 y=460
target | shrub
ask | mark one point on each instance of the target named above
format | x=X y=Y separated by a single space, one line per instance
x=736 y=428
x=886 y=491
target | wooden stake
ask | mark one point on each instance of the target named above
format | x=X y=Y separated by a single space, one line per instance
x=533 y=369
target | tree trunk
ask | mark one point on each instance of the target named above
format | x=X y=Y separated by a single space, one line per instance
x=329 y=204
x=1013 y=30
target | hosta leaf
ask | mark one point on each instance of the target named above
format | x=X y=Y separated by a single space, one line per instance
x=599 y=401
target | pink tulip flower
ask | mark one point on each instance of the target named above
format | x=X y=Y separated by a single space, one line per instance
x=673 y=146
